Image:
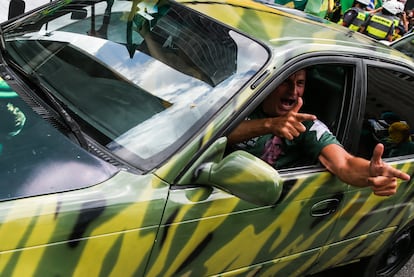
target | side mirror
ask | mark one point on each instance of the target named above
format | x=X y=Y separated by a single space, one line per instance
x=244 y=176
x=79 y=14
x=16 y=8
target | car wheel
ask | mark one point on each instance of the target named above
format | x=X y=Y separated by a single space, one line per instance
x=391 y=258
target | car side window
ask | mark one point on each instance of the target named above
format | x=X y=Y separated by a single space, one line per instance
x=325 y=91
x=389 y=115
x=324 y=94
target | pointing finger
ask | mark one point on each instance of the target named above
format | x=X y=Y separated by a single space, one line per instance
x=302 y=116
x=298 y=105
x=305 y=116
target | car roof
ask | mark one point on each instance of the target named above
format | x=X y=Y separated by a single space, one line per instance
x=291 y=32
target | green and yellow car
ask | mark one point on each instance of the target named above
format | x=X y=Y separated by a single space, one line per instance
x=114 y=155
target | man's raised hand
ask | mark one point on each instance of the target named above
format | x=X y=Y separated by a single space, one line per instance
x=290 y=125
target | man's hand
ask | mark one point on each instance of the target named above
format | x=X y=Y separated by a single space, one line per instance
x=383 y=177
x=290 y=125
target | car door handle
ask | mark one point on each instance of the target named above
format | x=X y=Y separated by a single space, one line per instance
x=325 y=207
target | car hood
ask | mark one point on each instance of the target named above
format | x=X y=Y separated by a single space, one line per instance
x=36 y=158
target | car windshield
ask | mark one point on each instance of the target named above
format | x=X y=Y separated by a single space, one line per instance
x=139 y=77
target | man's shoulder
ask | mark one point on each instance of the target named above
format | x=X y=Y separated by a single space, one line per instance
x=351 y=12
x=318 y=132
x=349 y=16
x=316 y=124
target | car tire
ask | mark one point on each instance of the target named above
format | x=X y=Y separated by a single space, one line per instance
x=391 y=258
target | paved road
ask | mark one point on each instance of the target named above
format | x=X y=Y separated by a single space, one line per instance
x=407 y=270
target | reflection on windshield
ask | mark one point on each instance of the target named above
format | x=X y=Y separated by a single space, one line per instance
x=138 y=76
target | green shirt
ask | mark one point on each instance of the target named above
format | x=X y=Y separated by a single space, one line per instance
x=302 y=150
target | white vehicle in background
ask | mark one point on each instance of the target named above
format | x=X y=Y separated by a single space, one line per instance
x=405 y=44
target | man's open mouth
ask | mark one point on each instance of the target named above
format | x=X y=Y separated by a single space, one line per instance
x=288 y=103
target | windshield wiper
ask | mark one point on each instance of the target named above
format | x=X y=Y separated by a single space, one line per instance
x=57 y=105
x=70 y=122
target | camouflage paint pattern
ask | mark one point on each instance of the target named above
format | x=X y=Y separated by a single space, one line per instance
x=106 y=230
x=162 y=224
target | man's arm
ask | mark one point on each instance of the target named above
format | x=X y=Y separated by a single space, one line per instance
x=287 y=126
x=381 y=177
x=249 y=129
x=390 y=34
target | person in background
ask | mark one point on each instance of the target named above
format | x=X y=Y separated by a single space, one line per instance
x=335 y=15
x=410 y=20
x=319 y=8
x=401 y=21
x=399 y=140
x=405 y=21
x=280 y=135
x=355 y=16
x=381 y=25
x=399 y=32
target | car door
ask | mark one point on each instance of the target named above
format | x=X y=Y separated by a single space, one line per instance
x=367 y=221
x=207 y=231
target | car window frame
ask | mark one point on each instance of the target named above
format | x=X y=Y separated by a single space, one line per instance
x=288 y=69
x=383 y=64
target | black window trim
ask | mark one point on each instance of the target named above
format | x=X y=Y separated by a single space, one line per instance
x=383 y=64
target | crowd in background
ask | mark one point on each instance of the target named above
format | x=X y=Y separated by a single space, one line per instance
x=380 y=19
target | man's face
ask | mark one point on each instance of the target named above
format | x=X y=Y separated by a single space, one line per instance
x=285 y=96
